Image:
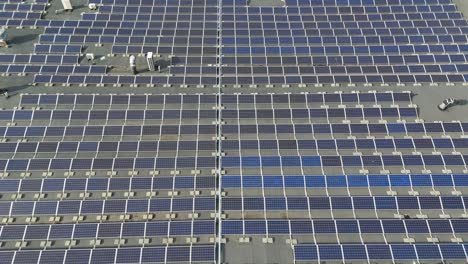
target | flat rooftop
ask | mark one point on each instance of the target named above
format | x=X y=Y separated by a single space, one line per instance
x=246 y=246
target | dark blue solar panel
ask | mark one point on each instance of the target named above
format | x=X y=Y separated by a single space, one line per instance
x=428 y=252
x=379 y=252
x=305 y=252
x=79 y=256
x=330 y=252
x=27 y=256
x=351 y=252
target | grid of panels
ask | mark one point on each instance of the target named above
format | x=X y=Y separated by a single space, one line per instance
x=133 y=218
x=281 y=183
x=54 y=55
x=258 y=184
x=330 y=42
x=312 y=41
x=182 y=24
x=299 y=43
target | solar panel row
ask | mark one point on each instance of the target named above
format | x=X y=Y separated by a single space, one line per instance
x=40 y=59
x=105 y=184
x=21 y=14
x=233 y=162
x=129 y=130
x=107 y=163
x=363 y=226
x=103 y=146
x=337 y=203
x=117 y=99
x=246 y=80
x=344 y=160
x=107 y=230
x=22 y=7
x=291 y=9
x=229 y=204
x=380 y=252
x=233 y=181
x=113 y=255
x=13 y=68
x=111 y=206
x=324 y=144
x=343 y=181
x=393 y=129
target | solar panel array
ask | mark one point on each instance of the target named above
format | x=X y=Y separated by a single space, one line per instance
x=335 y=192
x=302 y=42
x=345 y=176
x=231 y=43
x=207 y=178
x=144 y=194
x=309 y=41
